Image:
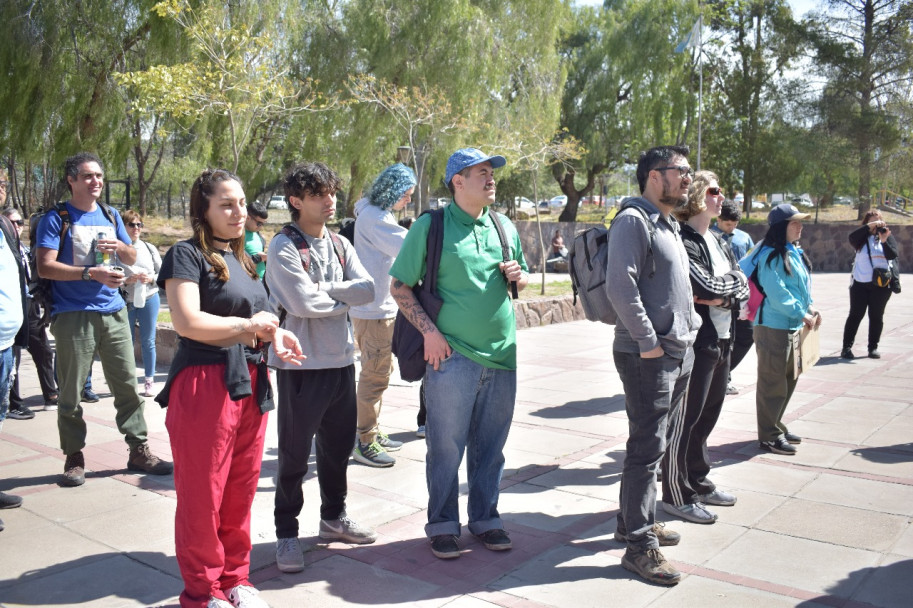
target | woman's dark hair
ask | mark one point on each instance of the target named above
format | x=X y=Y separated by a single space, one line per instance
x=203 y=188
x=776 y=240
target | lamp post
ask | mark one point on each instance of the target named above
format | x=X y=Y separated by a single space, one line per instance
x=404 y=155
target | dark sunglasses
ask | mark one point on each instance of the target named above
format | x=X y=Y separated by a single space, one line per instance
x=19 y=222
x=683 y=170
x=714 y=191
x=135 y=224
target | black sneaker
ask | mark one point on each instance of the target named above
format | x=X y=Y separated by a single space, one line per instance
x=21 y=413
x=874 y=354
x=495 y=540
x=8 y=501
x=445 y=546
x=779 y=446
x=846 y=353
x=793 y=439
x=89 y=396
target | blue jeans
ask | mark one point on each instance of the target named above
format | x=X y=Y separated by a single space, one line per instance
x=6 y=376
x=654 y=392
x=470 y=406
x=147 y=316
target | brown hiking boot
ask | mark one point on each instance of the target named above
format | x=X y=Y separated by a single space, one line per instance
x=651 y=565
x=74 y=470
x=666 y=538
x=142 y=459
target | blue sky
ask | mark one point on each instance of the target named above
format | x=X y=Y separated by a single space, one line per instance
x=800 y=7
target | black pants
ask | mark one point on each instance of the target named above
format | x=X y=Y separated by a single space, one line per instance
x=317 y=402
x=744 y=340
x=687 y=461
x=42 y=354
x=866 y=296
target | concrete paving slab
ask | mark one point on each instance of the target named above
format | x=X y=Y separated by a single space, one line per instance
x=867 y=494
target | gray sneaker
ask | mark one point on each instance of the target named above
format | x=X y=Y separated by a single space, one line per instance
x=372 y=454
x=391 y=445
x=695 y=512
x=346 y=530
x=288 y=555
x=718 y=498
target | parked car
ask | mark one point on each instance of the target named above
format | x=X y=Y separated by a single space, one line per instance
x=277 y=202
x=756 y=204
x=521 y=202
x=558 y=201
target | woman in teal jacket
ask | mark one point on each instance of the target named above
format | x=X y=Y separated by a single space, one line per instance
x=784 y=276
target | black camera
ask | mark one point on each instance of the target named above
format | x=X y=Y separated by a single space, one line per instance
x=882 y=230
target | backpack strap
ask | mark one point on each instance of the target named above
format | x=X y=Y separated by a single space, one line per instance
x=304 y=250
x=434 y=246
x=650 y=228
x=505 y=246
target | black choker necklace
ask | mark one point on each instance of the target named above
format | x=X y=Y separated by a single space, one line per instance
x=215 y=238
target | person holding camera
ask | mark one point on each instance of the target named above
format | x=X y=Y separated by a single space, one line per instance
x=870 y=290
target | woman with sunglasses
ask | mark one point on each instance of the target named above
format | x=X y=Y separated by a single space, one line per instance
x=143 y=295
x=719 y=287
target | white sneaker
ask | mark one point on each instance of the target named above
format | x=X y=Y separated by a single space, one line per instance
x=288 y=555
x=345 y=529
x=215 y=602
x=245 y=596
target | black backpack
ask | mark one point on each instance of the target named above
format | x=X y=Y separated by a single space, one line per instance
x=347 y=229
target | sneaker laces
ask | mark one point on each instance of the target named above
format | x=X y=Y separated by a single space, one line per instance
x=371 y=449
x=657 y=556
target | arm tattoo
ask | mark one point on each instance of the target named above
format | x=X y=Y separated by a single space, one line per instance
x=410 y=307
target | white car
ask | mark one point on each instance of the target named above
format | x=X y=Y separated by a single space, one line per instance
x=558 y=201
x=276 y=202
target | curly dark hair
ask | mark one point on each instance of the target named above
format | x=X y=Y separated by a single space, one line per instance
x=72 y=164
x=653 y=157
x=312 y=178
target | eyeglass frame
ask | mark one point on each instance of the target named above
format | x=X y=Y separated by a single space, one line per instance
x=683 y=170
x=136 y=224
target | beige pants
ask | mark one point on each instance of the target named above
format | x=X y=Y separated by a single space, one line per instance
x=374 y=337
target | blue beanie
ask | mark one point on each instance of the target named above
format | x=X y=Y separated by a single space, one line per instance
x=391 y=185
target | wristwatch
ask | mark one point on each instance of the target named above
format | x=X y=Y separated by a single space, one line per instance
x=85 y=274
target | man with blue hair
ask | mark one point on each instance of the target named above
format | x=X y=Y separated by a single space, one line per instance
x=470 y=350
x=378 y=239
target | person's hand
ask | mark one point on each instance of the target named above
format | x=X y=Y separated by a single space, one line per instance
x=264 y=324
x=654 y=353
x=106 y=275
x=287 y=347
x=436 y=348
x=512 y=270
x=713 y=302
x=108 y=246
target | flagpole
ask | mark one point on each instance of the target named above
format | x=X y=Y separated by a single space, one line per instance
x=700 y=91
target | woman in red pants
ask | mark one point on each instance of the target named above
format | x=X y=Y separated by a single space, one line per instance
x=218 y=393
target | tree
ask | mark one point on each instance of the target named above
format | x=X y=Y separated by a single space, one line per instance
x=865 y=49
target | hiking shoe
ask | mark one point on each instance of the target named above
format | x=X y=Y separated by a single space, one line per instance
x=142 y=459
x=874 y=354
x=288 y=555
x=21 y=413
x=420 y=431
x=215 y=602
x=245 y=596
x=731 y=389
x=793 y=439
x=846 y=353
x=391 y=445
x=147 y=388
x=347 y=530
x=695 y=512
x=495 y=540
x=89 y=396
x=651 y=565
x=718 y=498
x=445 y=546
x=372 y=454
x=666 y=538
x=8 y=501
x=74 y=470
x=778 y=446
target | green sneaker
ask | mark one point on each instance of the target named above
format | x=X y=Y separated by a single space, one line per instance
x=391 y=445
x=373 y=455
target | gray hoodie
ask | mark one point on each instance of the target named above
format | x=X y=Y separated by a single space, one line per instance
x=378 y=239
x=317 y=301
x=657 y=311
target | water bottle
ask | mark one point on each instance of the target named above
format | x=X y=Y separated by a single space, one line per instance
x=101 y=257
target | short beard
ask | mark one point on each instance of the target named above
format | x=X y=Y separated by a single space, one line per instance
x=675 y=203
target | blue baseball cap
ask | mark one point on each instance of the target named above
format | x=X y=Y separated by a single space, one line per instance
x=469 y=157
x=785 y=212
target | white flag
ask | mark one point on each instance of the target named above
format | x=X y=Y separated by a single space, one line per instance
x=693 y=40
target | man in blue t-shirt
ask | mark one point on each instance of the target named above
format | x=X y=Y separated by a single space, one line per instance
x=81 y=251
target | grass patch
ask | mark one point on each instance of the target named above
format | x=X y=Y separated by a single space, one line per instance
x=533 y=291
x=164 y=316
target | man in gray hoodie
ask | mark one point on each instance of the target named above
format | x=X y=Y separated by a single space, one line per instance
x=648 y=283
x=314 y=277
x=378 y=239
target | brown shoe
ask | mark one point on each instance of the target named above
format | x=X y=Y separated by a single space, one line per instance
x=666 y=538
x=651 y=565
x=142 y=459
x=74 y=470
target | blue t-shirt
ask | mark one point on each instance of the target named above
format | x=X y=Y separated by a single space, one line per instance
x=79 y=250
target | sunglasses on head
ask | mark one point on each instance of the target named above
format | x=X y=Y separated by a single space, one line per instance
x=714 y=191
x=135 y=224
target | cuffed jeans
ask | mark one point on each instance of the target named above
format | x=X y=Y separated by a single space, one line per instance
x=470 y=408
x=776 y=383
x=654 y=392
x=78 y=335
x=375 y=339
x=147 y=317
x=6 y=376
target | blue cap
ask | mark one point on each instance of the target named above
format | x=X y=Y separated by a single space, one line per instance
x=785 y=212
x=469 y=157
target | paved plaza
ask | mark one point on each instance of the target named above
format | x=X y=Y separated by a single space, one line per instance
x=830 y=526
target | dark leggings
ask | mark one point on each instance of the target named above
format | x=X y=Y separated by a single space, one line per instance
x=866 y=296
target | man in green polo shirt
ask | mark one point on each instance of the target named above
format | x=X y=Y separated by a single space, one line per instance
x=471 y=351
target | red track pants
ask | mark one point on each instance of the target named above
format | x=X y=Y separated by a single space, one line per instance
x=217 y=445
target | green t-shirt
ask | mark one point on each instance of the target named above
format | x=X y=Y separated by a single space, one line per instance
x=253 y=244
x=477 y=317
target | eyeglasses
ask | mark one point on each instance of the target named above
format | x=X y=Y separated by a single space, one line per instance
x=19 y=222
x=714 y=191
x=135 y=224
x=683 y=170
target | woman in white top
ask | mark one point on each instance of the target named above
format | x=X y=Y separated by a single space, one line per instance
x=143 y=294
x=875 y=248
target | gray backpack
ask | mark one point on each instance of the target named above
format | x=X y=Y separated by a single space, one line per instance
x=587 y=265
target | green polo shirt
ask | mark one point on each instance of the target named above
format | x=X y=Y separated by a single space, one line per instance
x=477 y=317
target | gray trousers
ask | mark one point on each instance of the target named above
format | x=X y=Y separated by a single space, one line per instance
x=654 y=392
x=776 y=383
